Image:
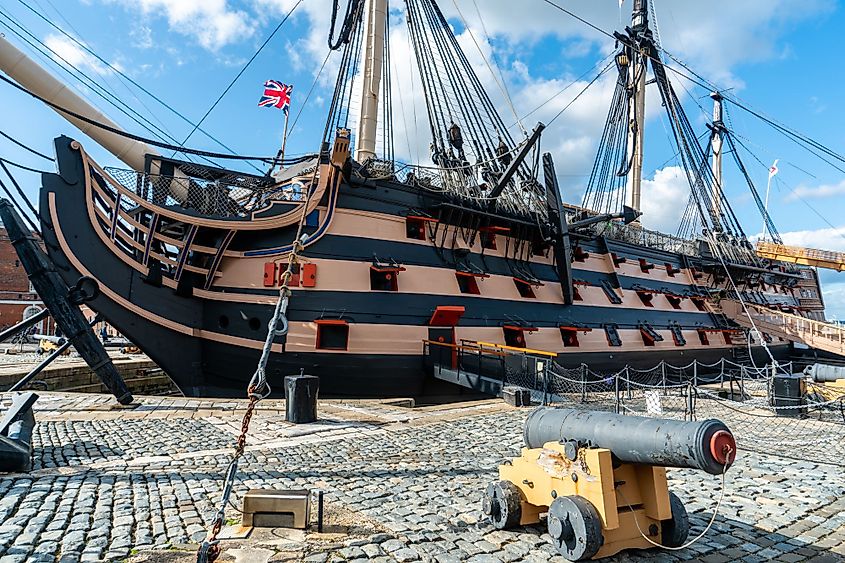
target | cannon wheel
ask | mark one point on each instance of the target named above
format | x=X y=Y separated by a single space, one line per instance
x=675 y=531
x=502 y=503
x=575 y=527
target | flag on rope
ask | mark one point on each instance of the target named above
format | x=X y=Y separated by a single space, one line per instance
x=276 y=95
x=773 y=171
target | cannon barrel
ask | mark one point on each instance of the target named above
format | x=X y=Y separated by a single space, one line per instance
x=824 y=373
x=706 y=445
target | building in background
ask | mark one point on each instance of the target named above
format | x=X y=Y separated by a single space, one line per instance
x=18 y=299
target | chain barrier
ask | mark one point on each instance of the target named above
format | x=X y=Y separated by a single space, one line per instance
x=258 y=388
x=811 y=428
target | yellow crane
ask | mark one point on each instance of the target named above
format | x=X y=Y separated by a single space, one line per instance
x=799 y=255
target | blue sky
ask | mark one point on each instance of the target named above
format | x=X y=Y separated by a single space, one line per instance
x=779 y=56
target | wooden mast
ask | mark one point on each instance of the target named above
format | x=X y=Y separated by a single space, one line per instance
x=376 y=22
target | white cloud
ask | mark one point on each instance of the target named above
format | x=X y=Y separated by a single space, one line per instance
x=823 y=239
x=212 y=23
x=664 y=199
x=834 y=300
x=697 y=32
x=69 y=53
x=825 y=190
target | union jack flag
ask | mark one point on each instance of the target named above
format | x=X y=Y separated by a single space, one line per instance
x=276 y=95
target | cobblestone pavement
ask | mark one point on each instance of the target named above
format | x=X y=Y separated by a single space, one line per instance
x=401 y=485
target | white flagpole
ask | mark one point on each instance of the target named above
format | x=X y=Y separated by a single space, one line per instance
x=772 y=172
x=285 y=136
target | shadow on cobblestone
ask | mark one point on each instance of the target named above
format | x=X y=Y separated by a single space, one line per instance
x=420 y=484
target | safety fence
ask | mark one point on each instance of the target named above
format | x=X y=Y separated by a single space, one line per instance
x=746 y=398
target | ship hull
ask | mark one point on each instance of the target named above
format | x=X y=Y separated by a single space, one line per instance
x=208 y=337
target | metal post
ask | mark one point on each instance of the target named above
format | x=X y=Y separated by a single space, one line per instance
x=546 y=383
x=618 y=405
x=40 y=367
x=691 y=390
x=320 y=512
x=663 y=375
x=583 y=383
x=695 y=373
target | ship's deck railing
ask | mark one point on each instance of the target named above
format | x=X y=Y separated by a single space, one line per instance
x=825 y=336
x=634 y=234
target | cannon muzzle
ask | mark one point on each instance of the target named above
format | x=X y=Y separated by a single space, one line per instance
x=707 y=445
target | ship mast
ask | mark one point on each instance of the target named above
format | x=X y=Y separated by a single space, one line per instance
x=716 y=141
x=636 y=86
x=376 y=22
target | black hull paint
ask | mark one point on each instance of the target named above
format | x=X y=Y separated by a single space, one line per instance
x=202 y=367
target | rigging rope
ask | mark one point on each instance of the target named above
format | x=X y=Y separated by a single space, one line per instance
x=123 y=75
x=240 y=73
x=798 y=138
x=353 y=7
x=500 y=85
x=74 y=71
x=21 y=166
x=27 y=148
x=151 y=142
x=22 y=195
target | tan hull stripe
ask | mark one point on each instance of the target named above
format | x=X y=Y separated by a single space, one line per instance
x=392 y=339
x=352 y=276
x=381 y=226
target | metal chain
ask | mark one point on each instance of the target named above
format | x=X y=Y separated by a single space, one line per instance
x=258 y=388
x=582 y=458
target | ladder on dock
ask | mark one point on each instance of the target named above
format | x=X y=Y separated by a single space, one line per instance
x=829 y=337
x=804 y=256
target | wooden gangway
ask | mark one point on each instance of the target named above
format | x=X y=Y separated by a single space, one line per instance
x=821 y=335
x=799 y=255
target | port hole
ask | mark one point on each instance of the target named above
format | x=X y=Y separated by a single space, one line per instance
x=254 y=323
x=223 y=321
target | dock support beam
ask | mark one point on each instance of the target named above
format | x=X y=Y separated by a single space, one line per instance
x=63 y=302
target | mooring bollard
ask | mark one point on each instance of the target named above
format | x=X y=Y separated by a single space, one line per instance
x=301 y=398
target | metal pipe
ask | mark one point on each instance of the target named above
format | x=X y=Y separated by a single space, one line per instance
x=708 y=445
x=40 y=367
x=24 y=324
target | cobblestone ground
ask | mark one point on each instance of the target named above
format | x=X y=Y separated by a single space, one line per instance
x=401 y=485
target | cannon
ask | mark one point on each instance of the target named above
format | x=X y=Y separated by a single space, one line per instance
x=599 y=479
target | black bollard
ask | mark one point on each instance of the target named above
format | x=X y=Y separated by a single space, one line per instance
x=301 y=398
